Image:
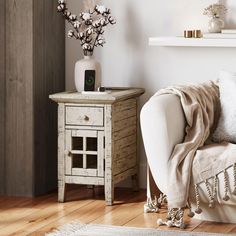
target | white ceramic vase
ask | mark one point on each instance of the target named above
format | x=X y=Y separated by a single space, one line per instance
x=215 y=25
x=88 y=63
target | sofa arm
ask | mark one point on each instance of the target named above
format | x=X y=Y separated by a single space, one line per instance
x=163 y=126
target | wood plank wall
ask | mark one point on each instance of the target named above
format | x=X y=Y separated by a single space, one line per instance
x=49 y=77
x=19 y=97
x=2 y=96
x=33 y=54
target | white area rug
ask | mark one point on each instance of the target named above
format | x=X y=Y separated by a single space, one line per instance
x=78 y=229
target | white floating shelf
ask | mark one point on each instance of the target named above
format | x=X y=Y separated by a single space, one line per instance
x=191 y=42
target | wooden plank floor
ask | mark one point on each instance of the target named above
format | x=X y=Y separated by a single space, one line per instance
x=26 y=216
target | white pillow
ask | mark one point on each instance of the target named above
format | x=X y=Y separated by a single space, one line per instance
x=226 y=128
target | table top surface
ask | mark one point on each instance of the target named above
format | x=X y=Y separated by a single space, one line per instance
x=108 y=97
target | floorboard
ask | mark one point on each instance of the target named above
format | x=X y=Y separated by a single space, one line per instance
x=35 y=217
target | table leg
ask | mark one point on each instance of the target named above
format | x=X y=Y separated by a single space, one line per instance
x=61 y=191
x=109 y=192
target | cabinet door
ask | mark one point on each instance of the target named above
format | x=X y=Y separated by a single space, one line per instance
x=84 y=153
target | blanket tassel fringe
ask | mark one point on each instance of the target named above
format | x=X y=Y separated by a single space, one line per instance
x=175 y=216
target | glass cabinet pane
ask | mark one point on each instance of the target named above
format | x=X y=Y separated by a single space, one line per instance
x=77 y=143
x=77 y=161
x=91 y=144
x=91 y=161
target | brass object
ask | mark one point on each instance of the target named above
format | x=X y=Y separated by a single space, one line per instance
x=188 y=33
x=192 y=34
x=197 y=34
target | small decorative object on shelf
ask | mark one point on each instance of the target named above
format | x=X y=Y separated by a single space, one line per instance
x=192 y=34
x=188 y=33
x=215 y=11
x=89 y=29
x=197 y=33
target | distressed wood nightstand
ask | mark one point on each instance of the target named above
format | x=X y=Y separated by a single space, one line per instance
x=97 y=139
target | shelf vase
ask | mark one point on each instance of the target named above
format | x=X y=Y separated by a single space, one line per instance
x=215 y=25
x=87 y=74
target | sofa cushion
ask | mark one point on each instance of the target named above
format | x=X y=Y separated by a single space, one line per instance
x=226 y=128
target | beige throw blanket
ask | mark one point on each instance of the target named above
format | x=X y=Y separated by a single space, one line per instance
x=201 y=108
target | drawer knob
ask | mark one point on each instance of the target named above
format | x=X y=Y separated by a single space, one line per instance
x=86 y=118
x=67 y=152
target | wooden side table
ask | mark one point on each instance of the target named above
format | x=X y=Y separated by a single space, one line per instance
x=97 y=139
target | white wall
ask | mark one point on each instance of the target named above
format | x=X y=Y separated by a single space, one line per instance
x=127 y=60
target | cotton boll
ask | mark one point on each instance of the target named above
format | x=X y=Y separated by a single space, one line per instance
x=100 y=9
x=85 y=16
x=111 y=20
x=76 y=24
x=89 y=31
x=61 y=7
x=102 y=22
x=70 y=34
x=68 y=14
x=101 y=41
x=73 y=17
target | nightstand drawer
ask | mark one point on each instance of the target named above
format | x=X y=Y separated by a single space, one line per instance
x=84 y=116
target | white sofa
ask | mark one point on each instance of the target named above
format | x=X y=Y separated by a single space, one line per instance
x=163 y=126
